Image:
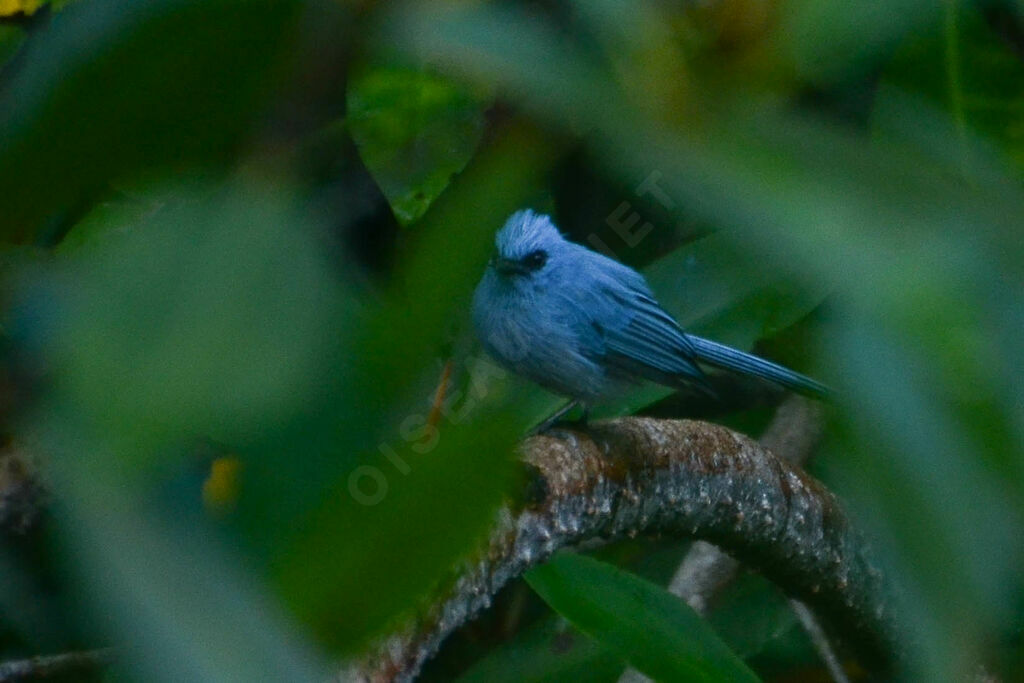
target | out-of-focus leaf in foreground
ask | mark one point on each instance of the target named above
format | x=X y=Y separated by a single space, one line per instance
x=754 y=618
x=215 y=316
x=411 y=496
x=79 y=112
x=153 y=334
x=162 y=584
x=218 y=316
x=652 y=629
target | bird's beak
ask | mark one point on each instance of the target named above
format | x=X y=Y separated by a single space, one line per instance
x=507 y=266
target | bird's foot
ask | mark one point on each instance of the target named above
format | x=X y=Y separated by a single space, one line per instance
x=558 y=425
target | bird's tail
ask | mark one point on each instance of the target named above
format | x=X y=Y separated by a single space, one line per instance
x=723 y=356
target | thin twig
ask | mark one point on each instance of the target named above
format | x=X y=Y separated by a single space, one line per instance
x=820 y=640
x=704 y=571
x=39 y=668
x=693 y=479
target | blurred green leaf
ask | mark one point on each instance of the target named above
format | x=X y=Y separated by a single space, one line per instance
x=115 y=87
x=652 y=629
x=153 y=334
x=715 y=288
x=393 y=528
x=511 y=51
x=162 y=583
x=753 y=616
x=11 y=38
x=438 y=486
x=414 y=130
x=216 y=315
x=830 y=40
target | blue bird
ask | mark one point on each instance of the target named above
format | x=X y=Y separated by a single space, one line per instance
x=587 y=327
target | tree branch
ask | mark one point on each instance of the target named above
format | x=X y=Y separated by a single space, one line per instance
x=38 y=668
x=792 y=435
x=696 y=479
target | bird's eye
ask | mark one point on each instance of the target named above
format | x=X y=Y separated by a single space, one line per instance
x=535 y=259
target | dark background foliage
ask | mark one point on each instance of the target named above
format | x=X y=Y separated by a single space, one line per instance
x=238 y=245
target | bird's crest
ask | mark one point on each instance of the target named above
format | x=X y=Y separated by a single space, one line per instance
x=525 y=232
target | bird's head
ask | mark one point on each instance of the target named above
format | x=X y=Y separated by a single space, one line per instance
x=525 y=244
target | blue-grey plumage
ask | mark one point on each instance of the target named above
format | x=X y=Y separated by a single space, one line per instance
x=583 y=325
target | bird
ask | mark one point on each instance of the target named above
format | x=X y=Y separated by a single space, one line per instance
x=587 y=327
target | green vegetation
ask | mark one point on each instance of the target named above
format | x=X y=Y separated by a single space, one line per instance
x=248 y=232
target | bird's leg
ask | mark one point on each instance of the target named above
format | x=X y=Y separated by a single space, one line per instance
x=550 y=422
x=556 y=419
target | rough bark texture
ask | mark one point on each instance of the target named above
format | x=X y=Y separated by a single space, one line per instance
x=792 y=435
x=693 y=479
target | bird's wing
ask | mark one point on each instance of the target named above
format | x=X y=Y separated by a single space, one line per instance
x=640 y=339
x=651 y=344
x=631 y=335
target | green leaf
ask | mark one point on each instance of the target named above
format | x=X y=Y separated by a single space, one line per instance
x=428 y=499
x=106 y=219
x=216 y=315
x=414 y=130
x=154 y=334
x=650 y=628
x=11 y=38
x=754 y=617
x=962 y=67
x=389 y=530
x=190 y=605
x=114 y=87
x=547 y=652
x=829 y=40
